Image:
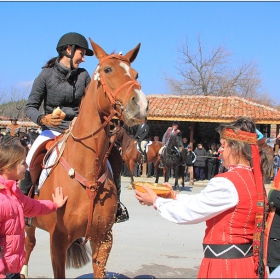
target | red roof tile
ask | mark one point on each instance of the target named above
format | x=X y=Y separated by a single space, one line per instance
x=209 y=109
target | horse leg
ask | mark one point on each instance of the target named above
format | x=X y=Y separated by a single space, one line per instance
x=101 y=246
x=131 y=167
x=59 y=245
x=157 y=171
x=30 y=242
x=176 y=169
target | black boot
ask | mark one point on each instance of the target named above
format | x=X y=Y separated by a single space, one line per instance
x=25 y=184
x=122 y=213
x=144 y=157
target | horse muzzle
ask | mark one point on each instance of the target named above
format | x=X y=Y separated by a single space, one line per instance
x=136 y=108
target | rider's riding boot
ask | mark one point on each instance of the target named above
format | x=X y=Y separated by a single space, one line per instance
x=122 y=213
x=25 y=184
x=144 y=157
x=161 y=162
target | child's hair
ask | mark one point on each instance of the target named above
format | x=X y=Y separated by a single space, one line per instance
x=11 y=152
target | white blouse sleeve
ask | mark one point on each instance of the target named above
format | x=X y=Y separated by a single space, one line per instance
x=219 y=195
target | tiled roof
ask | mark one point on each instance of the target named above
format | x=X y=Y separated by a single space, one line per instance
x=209 y=109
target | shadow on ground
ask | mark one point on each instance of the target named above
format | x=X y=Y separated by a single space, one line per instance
x=152 y=271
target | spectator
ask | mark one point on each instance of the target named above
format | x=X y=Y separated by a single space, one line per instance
x=212 y=160
x=276 y=164
x=185 y=142
x=200 y=163
x=190 y=160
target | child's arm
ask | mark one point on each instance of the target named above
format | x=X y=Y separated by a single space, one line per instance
x=32 y=207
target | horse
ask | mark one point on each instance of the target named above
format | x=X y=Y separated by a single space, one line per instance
x=171 y=158
x=82 y=170
x=130 y=153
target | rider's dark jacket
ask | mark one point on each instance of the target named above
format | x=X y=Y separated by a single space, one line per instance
x=142 y=133
x=54 y=88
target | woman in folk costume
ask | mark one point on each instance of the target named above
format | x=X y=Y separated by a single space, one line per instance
x=232 y=205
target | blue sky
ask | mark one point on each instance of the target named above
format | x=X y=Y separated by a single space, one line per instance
x=30 y=31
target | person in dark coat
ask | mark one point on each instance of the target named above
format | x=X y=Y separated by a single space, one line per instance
x=200 y=163
x=190 y=160
x=212 y=161
x=142 y=137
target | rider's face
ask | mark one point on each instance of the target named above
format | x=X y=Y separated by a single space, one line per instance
x=79 y=57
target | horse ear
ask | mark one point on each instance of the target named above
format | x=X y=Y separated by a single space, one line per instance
x=97 y=50
x=131 y=55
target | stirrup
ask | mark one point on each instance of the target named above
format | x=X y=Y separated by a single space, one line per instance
x=160 y=165
x=122 y=213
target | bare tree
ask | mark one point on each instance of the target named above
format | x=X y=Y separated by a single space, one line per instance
x=15 y=103
x=212 y=73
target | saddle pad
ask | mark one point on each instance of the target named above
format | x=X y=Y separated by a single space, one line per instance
x=50 y=161
x=149 y=143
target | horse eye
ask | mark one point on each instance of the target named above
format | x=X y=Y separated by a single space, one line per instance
x=137 y=76
x=108 y=70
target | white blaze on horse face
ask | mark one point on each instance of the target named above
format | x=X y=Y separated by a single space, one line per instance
x=126 y=68
x=142 y=103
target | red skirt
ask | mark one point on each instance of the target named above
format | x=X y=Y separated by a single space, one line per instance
x=227 y=268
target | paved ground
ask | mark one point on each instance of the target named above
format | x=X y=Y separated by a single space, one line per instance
x=146 y=246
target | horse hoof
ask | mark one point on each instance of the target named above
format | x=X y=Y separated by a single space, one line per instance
x=24 y=271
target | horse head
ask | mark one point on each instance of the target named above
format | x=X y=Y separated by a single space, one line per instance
x=176 y=141
x=118 y=80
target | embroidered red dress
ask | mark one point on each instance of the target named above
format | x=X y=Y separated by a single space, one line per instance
x=234 y=226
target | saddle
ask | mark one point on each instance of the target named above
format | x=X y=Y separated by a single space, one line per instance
x=41 y=153
x=36 y=164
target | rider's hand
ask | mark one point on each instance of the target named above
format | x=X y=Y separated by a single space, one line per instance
x=51 y=120
x=58 y=197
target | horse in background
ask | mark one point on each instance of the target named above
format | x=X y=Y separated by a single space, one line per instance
x=171 y=158
x=130 y=153
x=82 y=169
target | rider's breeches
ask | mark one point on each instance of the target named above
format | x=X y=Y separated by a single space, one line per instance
x=44 y=136
x=143 y=145
x=26 y=184
x=160 y=150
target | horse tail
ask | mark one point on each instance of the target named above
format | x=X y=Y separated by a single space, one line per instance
x=77 y=255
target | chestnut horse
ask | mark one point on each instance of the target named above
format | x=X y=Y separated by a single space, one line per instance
x=131 y=155
x=92 y=200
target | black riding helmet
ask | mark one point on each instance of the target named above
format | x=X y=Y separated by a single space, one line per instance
x=73 y=39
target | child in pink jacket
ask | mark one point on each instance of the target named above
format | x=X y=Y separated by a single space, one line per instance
x=14 y=206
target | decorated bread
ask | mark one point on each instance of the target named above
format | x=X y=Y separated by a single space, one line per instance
x=159 y=189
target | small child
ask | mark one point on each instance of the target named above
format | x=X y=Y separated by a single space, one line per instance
x=14 y=205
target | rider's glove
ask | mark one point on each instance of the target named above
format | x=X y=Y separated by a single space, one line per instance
x=51 y=120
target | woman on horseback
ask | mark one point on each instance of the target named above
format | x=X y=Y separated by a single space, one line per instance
x=61 y=83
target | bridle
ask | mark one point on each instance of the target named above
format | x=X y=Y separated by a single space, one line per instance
x=93 y=186
x=111 y=95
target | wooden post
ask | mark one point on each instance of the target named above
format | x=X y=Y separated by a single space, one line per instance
x=277 y=140
x=144 y=169
x=192 y=133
